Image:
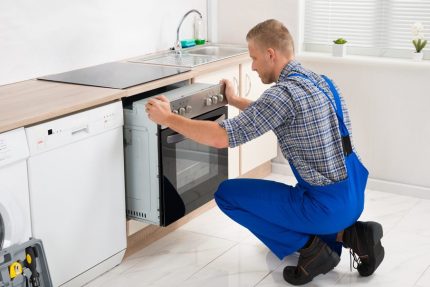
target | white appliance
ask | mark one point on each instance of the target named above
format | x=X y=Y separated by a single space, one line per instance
x=77 y=193
x=15 y=225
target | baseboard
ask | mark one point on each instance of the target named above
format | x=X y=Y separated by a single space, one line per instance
x=372 y=183
x=398 y=188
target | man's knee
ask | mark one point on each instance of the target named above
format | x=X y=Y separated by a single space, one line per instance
x=224 y=192
x=219 y=194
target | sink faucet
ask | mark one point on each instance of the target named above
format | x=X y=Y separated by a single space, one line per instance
x=178 y=46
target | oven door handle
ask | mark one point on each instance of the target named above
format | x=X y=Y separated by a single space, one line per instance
x=176 y=138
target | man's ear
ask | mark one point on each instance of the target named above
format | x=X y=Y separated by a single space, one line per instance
x=271 y=52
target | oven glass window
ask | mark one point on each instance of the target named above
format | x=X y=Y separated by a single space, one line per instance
x=195 y=164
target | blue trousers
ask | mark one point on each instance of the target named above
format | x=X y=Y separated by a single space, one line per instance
x=284 y=217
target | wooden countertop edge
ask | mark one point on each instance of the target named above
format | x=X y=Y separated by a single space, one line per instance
x=50 y=115
x=103 y=96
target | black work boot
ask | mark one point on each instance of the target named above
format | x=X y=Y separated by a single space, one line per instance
x=364 y=240
x=314 y=260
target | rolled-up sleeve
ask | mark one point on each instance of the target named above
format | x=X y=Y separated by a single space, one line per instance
x=271 y=110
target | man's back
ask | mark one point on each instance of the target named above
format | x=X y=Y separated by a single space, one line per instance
x=310 y=139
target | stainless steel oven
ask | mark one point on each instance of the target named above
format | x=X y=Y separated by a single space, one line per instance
x=167 y=174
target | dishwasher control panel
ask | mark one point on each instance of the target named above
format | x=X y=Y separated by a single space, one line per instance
x=74 y=127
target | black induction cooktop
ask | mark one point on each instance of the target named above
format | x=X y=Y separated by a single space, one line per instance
x=116 y=75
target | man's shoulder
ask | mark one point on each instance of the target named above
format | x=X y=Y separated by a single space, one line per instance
x=290 y=86
x=278 y=90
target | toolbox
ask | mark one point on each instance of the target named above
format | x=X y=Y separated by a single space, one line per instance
x=24 y=265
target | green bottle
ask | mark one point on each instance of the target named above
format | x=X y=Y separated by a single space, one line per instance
x=199 y=31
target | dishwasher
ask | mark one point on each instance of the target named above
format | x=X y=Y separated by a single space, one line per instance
x=77 y=192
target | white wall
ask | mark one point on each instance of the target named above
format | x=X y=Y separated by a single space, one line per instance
x=51 y=36
x=236 y=18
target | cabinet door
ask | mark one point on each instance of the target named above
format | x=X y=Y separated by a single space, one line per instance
x=263 y=148
x=231 y=73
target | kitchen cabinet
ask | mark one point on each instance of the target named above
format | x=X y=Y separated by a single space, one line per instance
x=263 y=148
x=232 y=74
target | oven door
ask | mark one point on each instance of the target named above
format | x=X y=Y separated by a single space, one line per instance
x=190 y=172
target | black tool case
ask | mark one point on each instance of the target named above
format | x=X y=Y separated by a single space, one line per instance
x=17 y=263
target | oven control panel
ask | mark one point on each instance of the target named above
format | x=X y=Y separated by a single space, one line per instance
x=196 y=99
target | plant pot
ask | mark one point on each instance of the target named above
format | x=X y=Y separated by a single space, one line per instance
x=417 y=56
x=339 y=50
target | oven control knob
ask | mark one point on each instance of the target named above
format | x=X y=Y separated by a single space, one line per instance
x=208 y=102
x=175 y=111
x=188 y=109
x=181 y=111
x=214 y=100
x=220 y=97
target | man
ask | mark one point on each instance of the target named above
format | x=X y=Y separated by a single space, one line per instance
x=311 y=122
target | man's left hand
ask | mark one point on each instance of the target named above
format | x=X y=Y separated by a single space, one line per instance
x=158 y=109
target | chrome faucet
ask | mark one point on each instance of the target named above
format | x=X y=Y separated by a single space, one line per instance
x=178 y=46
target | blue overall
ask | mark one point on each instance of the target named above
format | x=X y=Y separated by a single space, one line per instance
x=284 y=217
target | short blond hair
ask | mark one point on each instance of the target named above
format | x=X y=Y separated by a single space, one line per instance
x=272 y=34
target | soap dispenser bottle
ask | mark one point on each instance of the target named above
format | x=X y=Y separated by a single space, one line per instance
x=199 y=31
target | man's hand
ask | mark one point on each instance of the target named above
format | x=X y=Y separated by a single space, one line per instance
x=158 y=109
x=230 y=94
x=239 y=102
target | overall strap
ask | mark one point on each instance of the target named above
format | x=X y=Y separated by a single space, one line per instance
x=337 y=106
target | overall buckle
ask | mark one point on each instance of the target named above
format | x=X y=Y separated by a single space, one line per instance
x=346 y=144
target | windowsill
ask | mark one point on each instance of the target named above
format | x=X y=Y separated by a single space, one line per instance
x=362 y=60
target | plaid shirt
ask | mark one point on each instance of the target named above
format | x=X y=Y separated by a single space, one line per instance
x=304 y=122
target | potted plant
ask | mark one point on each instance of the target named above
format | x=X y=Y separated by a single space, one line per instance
x=418 y=41
x=339 y=47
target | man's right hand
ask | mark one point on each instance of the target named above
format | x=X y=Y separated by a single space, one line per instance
x=239 y=102
x=230 y=93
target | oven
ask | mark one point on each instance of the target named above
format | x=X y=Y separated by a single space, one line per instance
x=167 y=174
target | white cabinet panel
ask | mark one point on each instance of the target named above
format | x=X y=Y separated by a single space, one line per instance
x=231 y=73
x=263 y=148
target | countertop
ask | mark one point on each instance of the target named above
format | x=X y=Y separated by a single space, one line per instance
x=34 y=101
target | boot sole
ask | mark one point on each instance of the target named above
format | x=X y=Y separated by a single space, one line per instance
x=322 y=269
x=377 y=250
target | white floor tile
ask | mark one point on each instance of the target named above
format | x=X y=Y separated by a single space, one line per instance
x=213 y=250
x=387 y=208
x=243 y=265
x=215 y=223
x=167 y=261
x=424 y=280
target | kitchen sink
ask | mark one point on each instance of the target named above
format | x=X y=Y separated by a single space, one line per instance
x=218 y=51
x=192 y=57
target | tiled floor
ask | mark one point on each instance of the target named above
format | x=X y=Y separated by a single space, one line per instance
x=212 y=250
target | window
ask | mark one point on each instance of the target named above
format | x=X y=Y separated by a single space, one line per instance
x=372 y=27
